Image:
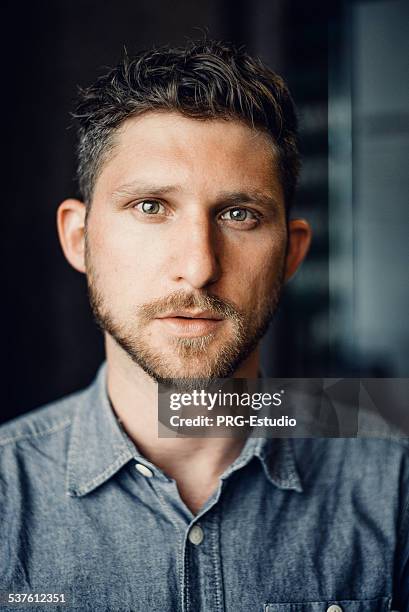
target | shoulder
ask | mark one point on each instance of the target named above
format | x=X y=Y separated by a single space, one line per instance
x=356 y=455
x=34 y=453
x=47 y=426
x=367 y=468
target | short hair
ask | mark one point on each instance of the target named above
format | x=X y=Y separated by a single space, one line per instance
x=204 y=80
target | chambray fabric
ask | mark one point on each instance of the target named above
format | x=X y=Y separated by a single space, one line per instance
x=294 y=526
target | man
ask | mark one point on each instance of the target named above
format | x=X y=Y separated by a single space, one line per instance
x=187 y=166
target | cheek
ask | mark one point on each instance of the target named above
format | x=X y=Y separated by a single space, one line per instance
x=124 y=262
x=253 y=267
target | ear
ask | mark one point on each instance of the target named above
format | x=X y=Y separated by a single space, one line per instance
x=71 y=231
x=299 y=240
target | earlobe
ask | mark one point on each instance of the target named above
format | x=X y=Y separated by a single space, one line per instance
x=299 y=240
x=71 y=232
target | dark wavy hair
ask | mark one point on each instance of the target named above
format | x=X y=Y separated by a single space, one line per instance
x=203 y=80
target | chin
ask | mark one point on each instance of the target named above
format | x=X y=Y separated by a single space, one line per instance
x=186 y=384
x=187 y=372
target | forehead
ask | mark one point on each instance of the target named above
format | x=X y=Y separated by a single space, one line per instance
x=195 y=154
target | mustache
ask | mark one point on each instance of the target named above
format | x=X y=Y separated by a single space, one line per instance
x=179 y=300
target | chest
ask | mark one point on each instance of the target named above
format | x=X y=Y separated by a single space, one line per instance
x=140 y=549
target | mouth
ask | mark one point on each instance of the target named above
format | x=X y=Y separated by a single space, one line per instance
x=190 y=324
x=188 y=314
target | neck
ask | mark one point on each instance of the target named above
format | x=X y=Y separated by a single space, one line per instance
x=135 y=401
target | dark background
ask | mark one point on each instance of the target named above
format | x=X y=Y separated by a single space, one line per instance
x=345 y=313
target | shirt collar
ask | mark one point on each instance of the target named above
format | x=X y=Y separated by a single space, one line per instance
x=99 y=447
x=277 y=458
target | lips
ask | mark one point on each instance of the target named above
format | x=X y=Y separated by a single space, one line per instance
x=185 y=314
x=190 y=324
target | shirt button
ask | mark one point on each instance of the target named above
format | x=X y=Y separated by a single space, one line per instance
x=145 y=471
x=334 y=608
x=196 y=535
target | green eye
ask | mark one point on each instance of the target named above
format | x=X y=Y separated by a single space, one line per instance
x=149 y=207
x=238 y=214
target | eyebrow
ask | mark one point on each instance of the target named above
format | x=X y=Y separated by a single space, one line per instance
x=140 y=189
x=229 y=198
x=235 y=198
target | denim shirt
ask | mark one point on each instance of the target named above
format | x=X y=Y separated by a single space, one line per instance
x=295 y=525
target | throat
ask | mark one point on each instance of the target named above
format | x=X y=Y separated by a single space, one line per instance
x=195 y=495
x=197 y=471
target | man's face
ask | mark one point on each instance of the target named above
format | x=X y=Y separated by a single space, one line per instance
x=185 y=243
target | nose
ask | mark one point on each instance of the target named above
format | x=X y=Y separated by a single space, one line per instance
x=195 y=262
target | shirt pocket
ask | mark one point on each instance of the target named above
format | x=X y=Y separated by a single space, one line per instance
x=381 y=604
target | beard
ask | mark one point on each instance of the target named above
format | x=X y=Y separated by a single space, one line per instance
x=189 y=362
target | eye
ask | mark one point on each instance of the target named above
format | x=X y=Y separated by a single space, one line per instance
x=150 y=207
x=239 y=214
